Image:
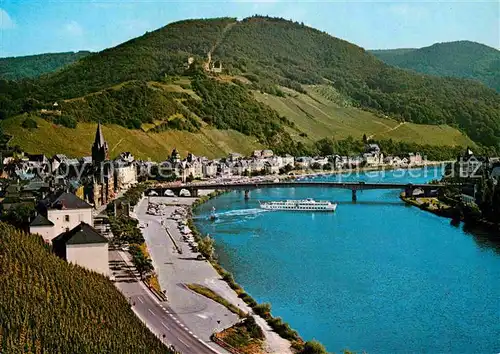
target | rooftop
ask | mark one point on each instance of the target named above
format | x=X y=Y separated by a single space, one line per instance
x=41 y=220
x=64 y=200
x=81 y=234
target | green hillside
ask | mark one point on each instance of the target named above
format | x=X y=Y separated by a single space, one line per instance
x=31 y=66
x=50 y=306
x=463 y=59
x=50 y=139
x=320 y=114
x=147 y=81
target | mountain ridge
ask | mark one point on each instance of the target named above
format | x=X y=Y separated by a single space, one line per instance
x=32 y=66
x=463 y=59
x=270 y=54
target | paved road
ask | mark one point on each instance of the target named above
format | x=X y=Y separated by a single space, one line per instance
x=202 y=315
x=158 y=316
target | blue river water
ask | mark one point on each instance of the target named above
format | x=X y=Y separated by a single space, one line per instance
x=375 y=276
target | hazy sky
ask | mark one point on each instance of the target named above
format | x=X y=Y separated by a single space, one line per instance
x=39 y=26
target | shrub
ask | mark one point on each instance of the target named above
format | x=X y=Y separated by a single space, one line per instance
x=313 y=347
x=66 y=121
x=253 y=328
x=247 y=299
x=263 y=310
x=29 y=123
x=282 y=328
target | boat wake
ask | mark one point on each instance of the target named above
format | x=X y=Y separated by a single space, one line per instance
x=233 y=216
x=242 y=212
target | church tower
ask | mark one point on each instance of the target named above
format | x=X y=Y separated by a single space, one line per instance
x=100 y=147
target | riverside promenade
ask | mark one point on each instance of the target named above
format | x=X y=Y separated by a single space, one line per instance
x=201 y=315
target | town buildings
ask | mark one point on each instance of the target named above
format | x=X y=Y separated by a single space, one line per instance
x=65 y=221
x=100 y=190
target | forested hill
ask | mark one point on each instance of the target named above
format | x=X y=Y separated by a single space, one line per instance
x=269 y=54
x=50 y=306
x=464 y=59
x=31 y=66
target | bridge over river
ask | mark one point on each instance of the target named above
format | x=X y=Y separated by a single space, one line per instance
x=193 y=188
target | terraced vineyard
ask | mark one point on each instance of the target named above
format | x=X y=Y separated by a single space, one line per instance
x=50 y=306
x=323 y=112
x=51 y=139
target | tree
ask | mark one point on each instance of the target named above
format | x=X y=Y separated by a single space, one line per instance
x=316 y=166
x=313 y=347
x=206 y=247
x=142 y=264
x=19 y=215
x=365 y=139
x=325 y=146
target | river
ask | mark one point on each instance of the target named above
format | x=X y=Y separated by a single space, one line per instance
x=376 y=275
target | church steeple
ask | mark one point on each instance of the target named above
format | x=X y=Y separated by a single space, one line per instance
x=100 y=147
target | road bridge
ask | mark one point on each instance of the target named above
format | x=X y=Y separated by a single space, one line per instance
x=193 y=188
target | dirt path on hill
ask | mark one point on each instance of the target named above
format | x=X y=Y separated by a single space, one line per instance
x=218 y=42
x=388 y=131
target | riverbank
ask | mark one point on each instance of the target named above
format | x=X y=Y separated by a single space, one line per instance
x=176 y=268
x=350 y=171
x=262 y=312
x=457 y=214
x=431 y=205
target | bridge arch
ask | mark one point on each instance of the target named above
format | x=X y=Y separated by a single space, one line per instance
x=169 y=193
x=184 y=193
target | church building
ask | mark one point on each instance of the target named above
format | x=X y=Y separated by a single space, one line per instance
x=100 y=190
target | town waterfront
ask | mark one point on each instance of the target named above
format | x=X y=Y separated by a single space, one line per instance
x=376 y=275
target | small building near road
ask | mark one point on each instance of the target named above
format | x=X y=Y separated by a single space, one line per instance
x=85 y=246
x=43 y=227
x=64 y=211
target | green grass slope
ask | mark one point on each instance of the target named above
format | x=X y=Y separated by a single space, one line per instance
x=463 y=59
x=50 y=306
x=322 y=112
x=50 y=139
x=31 y=66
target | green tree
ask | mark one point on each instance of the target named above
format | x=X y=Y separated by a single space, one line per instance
x=313 y=347
x=143 y=265
x=19 y=215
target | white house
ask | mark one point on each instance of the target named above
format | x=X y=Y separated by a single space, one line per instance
x=288 y=160
x=256 y=164
x=303 y=162
x=224 y=170
x=85 y=246
x=276 y=160
x=272 y=167
x=322 y=161
x=373 y=158
x=59 y=213
x=209 y=169
x=267 y=153
x=239 y=167
x=415 y=158
x=126 y=176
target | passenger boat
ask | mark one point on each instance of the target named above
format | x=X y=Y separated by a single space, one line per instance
x=300 y=205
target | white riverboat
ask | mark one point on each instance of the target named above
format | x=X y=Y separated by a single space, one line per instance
x=300 y=205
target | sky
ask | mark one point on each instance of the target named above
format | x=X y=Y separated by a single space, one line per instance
x=41 y=26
